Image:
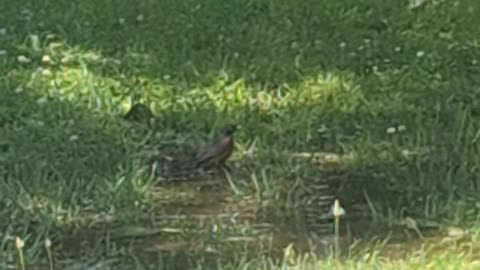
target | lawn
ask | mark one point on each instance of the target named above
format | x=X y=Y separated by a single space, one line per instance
x=372 y=102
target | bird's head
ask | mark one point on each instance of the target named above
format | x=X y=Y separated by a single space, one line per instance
x=228 y=130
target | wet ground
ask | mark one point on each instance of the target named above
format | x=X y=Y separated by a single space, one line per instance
x=206 y=220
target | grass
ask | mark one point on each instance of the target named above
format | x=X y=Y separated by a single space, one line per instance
x=300 y=78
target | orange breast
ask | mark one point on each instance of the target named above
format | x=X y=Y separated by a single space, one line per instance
x=227 y=150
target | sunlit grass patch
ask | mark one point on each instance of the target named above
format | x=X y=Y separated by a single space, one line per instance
x=74 y=74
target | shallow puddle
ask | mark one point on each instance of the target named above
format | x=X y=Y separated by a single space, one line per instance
x=206 y=221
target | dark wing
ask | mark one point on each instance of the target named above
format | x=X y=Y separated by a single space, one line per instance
x=212 y=152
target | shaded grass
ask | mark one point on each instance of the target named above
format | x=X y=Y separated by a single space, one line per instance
x=310 y=77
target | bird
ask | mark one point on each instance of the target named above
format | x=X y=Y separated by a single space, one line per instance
x=139 y=113
x=216 y=154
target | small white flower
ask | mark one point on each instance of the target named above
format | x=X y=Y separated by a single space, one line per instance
x=209 y=249
x=140 y=18
x=332 y=158
x=391 y=130
x=41 y=100
x=413 y=4
x=397 y=49
x=46 y=60
x=46 y=72
x=322 y=128
x=166 y=77
x=19 y=90
x=455 y=232
x=48 y=243
x=401 y=128
x=73 y=138
x=405 y=153
x=65 y=60
x=474 y=61
x=337 y=209
x=121 y=21
x=35 y=42
x=366 y=40
x=3 y=52
x=375 y=69
x=93 y=57
x=343 y=44
x=54 y=45
x=19 y=242
x=420 y=54
x=3 y=31
x=214 y=230
x=23 y=59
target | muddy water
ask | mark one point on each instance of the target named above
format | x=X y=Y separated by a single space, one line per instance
x=205 y=221
x=200 y=220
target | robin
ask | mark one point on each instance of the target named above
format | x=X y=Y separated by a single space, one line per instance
x=216 y=154
x=139 y=113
